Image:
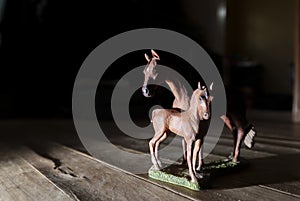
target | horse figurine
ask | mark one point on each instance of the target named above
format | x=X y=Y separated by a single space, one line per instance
x=184 y=124
x=181 y=100
x=235 y=119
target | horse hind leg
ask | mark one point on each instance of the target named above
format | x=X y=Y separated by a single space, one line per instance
x=236 y=144
x=239 y=137
x=163 y=137
x=152 y=143
x=227 y=122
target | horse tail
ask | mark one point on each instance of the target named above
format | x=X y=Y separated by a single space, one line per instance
x=153 y=114
x=249 y=138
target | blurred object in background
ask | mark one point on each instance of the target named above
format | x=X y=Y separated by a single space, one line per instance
x=2 y=5
x=246 y=74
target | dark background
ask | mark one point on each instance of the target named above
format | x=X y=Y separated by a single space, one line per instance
x=44 y=43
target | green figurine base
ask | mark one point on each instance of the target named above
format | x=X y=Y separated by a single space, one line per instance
x=178 y=174
x=168 y=176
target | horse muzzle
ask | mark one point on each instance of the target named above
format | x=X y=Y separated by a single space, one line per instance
x=145 y=92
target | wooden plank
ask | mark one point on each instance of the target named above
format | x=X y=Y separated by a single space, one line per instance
x=257 y=193
x=230 y=187
x=290 y=188
x=20 y=181
x=264 y=158
x=266 y=162
x=269 y=166
x=88 y=179
x=238 y=186
x=296 y=103
x=263 y=147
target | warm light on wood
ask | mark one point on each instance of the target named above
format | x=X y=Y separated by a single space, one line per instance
x=296 y=102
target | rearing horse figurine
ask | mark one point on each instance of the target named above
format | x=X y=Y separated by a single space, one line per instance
x=181 y=100
x=184 y=124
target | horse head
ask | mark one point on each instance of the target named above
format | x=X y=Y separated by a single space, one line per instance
x=149 y=71
x=203 y=105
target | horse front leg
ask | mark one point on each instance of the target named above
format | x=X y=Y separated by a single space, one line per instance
x=200 y=159
x=197 y=145
x=189 y=161
x=184 y=151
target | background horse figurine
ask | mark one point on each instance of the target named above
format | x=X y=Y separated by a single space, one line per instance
x=235 y=119
x=184 y=124
x=181 y=100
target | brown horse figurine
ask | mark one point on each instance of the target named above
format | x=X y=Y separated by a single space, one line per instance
x=235 y=119
x=184 y=124
x=181 y=100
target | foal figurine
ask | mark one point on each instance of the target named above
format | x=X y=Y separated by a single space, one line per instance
x=184 y=124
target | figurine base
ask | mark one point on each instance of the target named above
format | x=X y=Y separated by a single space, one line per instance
x=166 y=176
x=178 y=174
x=224 y=166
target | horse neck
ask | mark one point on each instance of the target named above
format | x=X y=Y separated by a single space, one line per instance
x=193 y=108
x=164 y=75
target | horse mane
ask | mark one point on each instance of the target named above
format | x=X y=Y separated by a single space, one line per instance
x=194 y=102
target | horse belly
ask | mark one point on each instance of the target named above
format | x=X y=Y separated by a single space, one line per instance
x=175 y=125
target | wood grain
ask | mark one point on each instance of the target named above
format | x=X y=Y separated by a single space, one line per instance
x=89 y=179
x=21 y=181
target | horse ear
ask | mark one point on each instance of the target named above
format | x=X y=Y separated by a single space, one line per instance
x=147 y=57
x=155 y=55
x=199 y=85
x=211 y=85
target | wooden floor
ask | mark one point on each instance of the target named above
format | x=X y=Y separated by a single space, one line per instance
x=44 y=160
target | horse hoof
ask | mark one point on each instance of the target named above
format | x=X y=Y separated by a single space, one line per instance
x=159 y=164
x=194 y=180
x=199 y=168
x=155 y=167
x=199 y=175
x=236 y=161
